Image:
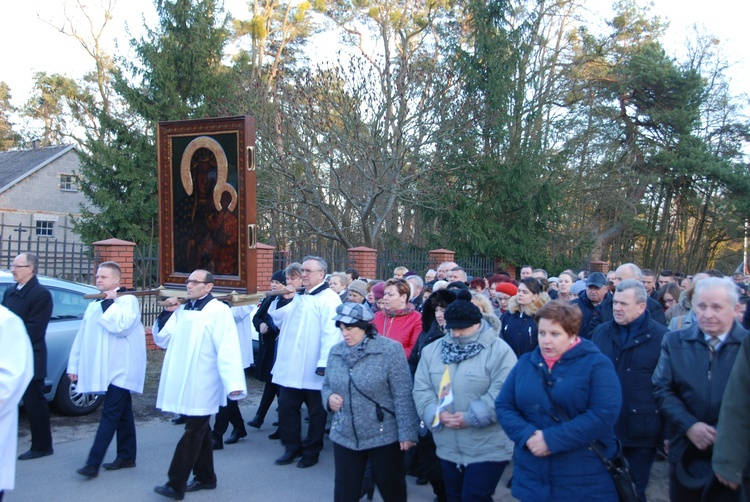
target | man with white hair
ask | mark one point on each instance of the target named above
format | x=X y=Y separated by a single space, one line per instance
x=444 y=268
x=604 y=314
x=457 y=274
x=690 y=379
x=417 y=286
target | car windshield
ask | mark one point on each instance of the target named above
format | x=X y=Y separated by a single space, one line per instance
x=67 y=304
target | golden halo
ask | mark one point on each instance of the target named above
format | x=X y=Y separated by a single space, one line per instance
x=222 y=166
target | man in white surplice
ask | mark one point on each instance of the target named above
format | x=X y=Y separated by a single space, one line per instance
x=17 y=363
x=307 y=333
x=202 y=367
x=108 y=357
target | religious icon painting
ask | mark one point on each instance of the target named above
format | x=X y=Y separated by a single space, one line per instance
x=207 y=211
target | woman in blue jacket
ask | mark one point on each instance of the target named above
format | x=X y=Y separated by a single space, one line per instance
x=518 y=325
x=557 y=400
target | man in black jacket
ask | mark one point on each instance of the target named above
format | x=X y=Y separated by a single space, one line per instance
x=590 y=300
x=623 y=273
x=632 y=340
x=31 y=301
x=692 y=374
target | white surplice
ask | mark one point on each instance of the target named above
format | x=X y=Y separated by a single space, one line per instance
x=307 y=334
x=110 y=347
x=16 y=370
x=202 y=364
x=243 y=318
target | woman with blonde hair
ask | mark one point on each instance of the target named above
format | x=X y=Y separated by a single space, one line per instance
x=485 y=307
x=564 y=283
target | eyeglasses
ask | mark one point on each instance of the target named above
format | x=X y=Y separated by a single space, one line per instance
x=20 y=266
x=308 y=271
x=194 y=282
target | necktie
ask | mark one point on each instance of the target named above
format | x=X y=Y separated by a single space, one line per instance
x=712 y=343
x=190 y=305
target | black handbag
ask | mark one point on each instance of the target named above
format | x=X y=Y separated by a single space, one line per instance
x=617 y=466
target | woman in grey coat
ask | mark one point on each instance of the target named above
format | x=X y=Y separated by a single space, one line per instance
x=367 y=386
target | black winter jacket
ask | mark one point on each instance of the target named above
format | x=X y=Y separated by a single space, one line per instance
x=640 y=423
x=688 y=384
x=589 y=310
x=33 y=304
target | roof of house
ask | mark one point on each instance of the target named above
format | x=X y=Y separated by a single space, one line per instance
x=16 y=165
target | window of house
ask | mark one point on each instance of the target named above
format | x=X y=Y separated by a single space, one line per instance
x=68 y=183
x=45 y=228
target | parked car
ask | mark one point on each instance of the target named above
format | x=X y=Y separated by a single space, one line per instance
x=69 y=306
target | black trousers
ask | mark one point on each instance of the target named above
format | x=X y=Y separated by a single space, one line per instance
x=228 y=414
x=270 y=391
x=194 y=453
x=387 y=472
x=117 y=417
x=290 y=426
x=37 y=409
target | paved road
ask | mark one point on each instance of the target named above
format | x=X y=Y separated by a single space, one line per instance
x=245 y=471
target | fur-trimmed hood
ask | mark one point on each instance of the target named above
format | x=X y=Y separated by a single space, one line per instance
x=532 y=309
x=493 y=321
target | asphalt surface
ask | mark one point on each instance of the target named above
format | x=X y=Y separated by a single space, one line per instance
x=245 y=471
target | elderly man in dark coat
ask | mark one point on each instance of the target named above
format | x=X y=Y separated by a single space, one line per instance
x=632 y=341
x=31 y=301
x=691 y=376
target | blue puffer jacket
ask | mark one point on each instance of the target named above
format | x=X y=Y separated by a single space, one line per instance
x=584 y=384
x=519 y=329
x=640 y=423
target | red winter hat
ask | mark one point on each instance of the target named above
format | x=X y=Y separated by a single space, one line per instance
x=507 y=287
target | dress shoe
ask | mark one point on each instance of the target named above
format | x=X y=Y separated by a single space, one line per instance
x=275 y=435
x=89 y=471
x=169 y=492
x=306 y=462
x=255 y=422
x=196 y=485
x=179 y=419
x=32 y=454
x=288 y=457
x=235 y=436
x=119 y=464
x=218 y=444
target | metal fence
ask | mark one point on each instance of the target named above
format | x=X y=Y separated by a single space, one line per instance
x=416 y=260
x=62 y=259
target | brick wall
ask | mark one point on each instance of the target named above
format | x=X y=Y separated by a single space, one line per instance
x=365 y=260
x=118 y=251
x=438 y=256
x=263 y=265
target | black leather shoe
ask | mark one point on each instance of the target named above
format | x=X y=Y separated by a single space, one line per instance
x=32 y=454
x=179 y=419
x=255 y=422
x=196 y=485
x=119 y=464
x=218 y=444
x=306 y=462
x=275 y=435
x=288 y=457
x=89 y=471
x=235 y=436
x=169 y=492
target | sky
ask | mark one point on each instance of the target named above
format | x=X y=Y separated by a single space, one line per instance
x=31 y=44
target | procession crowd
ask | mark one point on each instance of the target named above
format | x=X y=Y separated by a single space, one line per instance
x=580 y=380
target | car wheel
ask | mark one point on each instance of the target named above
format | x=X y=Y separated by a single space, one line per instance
x=71 y=402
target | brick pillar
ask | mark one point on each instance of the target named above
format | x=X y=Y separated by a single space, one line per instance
x=264 y=265
x=118 y=251
x=512 y=271
x=365 y=260
x=438 y=256
x=599 y=266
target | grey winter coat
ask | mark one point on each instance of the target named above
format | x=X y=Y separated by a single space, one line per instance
x=382 y=374
x=476 y=383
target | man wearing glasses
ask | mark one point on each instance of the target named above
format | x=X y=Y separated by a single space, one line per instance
x=201 y=369
x=307 y=333
x=31 y=301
